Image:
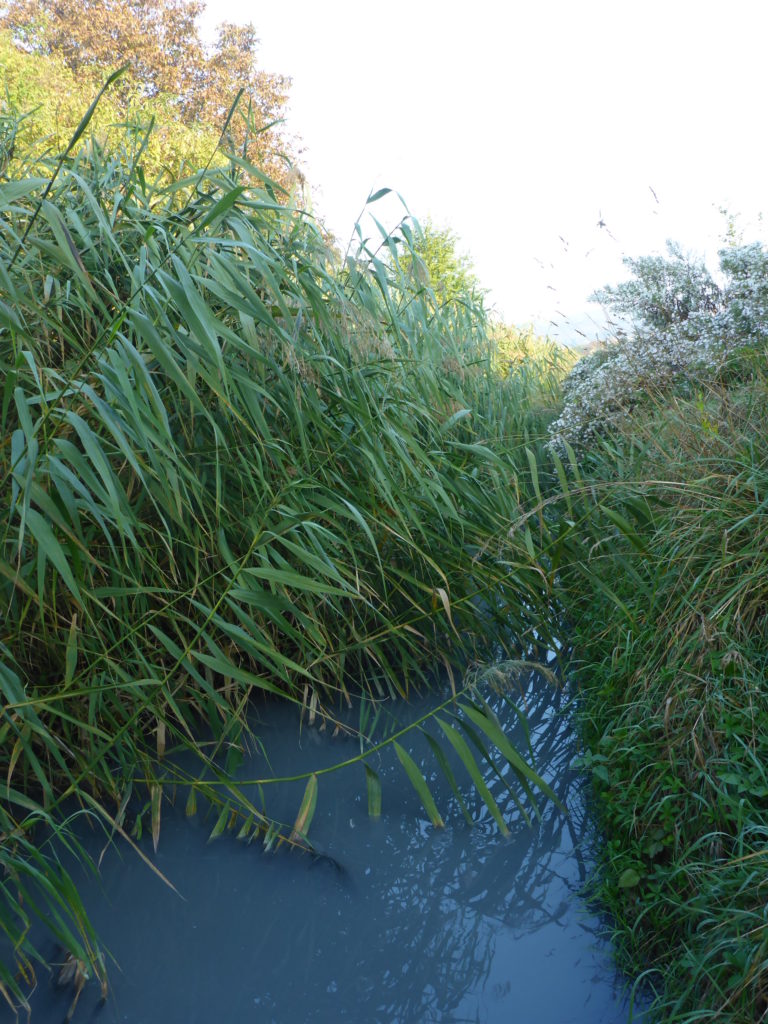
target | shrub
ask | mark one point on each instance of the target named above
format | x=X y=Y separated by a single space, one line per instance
x=682 y=326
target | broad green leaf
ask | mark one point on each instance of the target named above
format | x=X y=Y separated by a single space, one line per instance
x=11 y=191
x=495 y=734
x=532 y=465
x=442 y=760
x=219 y=208
x=625 y=527
x=221 y=822
x=562 y=479
x=629 y=879
x=70 y=661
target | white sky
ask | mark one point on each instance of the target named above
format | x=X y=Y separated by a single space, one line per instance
x=520 y=125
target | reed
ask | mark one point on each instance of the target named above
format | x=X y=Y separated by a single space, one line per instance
x=232 y=470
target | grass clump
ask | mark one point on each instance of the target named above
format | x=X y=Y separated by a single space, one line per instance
x=231 y=469
x=666 y=589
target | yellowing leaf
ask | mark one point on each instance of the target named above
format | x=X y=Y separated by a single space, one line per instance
x=443 y=595
x=373 y=785
x=306 y=811
x=156 y=797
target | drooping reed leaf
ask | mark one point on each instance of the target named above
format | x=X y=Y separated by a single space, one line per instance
x=306 y=811
x=419 y=783
x=373 y=787
x=459 y=744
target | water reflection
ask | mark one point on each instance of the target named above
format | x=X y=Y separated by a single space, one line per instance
x=400 y=923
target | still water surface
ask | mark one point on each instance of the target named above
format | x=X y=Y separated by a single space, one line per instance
x=399 y=924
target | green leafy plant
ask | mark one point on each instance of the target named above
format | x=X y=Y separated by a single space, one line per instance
x=233 y=471
x=657 y=530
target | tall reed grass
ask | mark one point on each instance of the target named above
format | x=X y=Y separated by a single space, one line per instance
x=231 y=470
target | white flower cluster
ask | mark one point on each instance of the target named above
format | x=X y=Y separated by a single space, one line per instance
x=604 y=387
x=745 y=317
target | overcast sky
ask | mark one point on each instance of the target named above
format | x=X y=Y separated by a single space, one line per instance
x=524 y=125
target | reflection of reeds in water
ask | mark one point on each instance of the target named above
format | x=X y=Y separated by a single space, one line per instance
x=454 y=894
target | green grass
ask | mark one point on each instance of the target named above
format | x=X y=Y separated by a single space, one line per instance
x=230 y=469
x=666 y=592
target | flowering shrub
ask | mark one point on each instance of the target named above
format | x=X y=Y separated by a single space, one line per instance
x=683 y=325
x=745 y=316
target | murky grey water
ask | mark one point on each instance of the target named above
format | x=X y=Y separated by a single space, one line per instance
x=410 y=925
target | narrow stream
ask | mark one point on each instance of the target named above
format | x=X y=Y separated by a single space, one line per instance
x=400 y=924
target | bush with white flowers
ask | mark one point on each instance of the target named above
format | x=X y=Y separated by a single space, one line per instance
x=683 y=325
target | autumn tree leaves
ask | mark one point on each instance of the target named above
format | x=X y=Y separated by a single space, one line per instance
x=55 y=52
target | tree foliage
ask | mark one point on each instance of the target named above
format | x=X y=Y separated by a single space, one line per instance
x=42 y=102
x=663 y=292
x=437 y=263
x=172 y=74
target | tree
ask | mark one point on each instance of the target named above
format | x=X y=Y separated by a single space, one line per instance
x=664 y=292
x=169 y=64
x=42 y=102
x=437 y=262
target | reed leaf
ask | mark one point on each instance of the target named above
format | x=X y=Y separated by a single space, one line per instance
x=419 y=783
x=306 y=812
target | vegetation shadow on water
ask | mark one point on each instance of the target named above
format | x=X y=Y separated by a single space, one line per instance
x=389 y=921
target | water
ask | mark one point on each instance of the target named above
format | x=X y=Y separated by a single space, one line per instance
x=398 y=923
